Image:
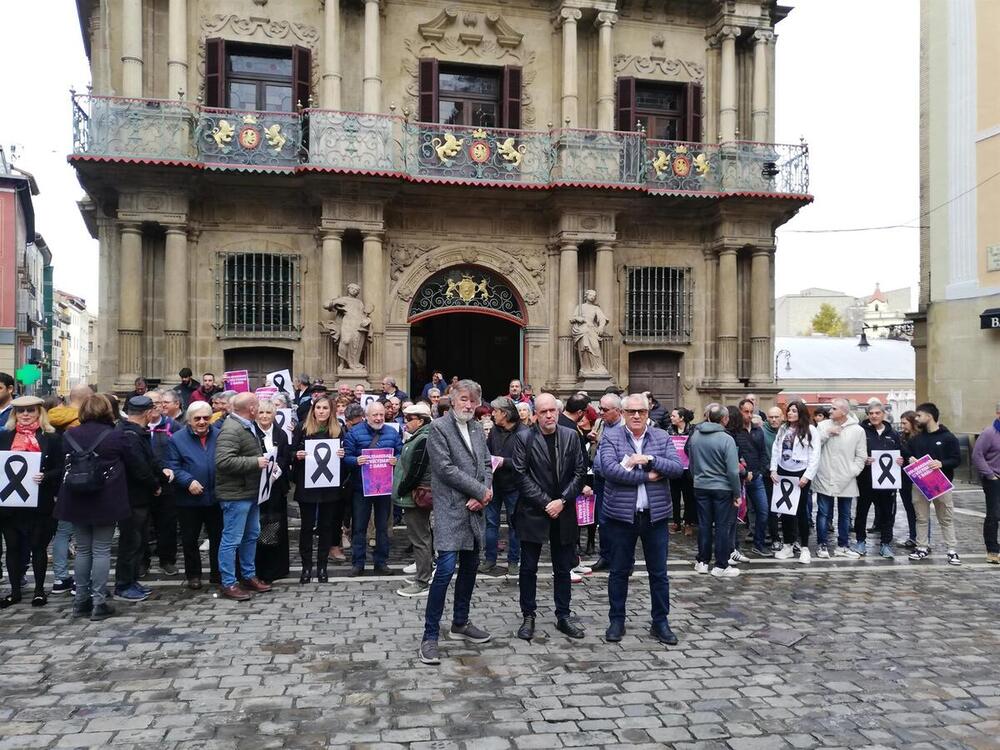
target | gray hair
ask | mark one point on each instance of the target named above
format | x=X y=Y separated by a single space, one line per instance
x=874 y=404
x=468 y=386
x=634 y=397
x=353 y=411
x=612 y=401
x=841 y=403
x=372 y=405
x=433 y=392
x=196 y=407
x=716 y=413
x=280 y=401
x=170 y=394
x=390 y=380
x=709 y=408
x=527 y=407
x=266 y=403
x=508 y=408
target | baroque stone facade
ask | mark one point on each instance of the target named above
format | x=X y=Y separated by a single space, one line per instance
x=220 y=248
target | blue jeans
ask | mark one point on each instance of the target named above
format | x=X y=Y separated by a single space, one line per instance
x=825 y=513
x=757 y=502
x=622 y=537
x=60 y=551
x=361 y=512
x=92 y=562
x=506 y=499
x=468 y=565
x=715 y=519
x=240 y=529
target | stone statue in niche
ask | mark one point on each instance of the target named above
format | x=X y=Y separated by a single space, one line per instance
x=587 y=326
x=350 y=329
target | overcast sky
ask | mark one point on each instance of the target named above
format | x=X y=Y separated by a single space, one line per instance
x=847 y=80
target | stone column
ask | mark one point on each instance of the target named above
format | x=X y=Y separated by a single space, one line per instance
x=568 y=17
x=372 y=83
x=604 y=279
x=727 y=87
x=605 y=71
x=569 y=297
x=709 y=307
x=177 y=55
x=333 y=272
x=132 y=48
x=330 y=93
x=727 y=323
x=130 y=305
x=176 y=300
x=760 y=315
x=373 y=294
x=760 y=107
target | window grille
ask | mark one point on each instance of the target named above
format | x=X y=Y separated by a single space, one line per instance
x=658 y=304
x=258 y=295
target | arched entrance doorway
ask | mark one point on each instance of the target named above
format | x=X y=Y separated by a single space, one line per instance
x=467 y=321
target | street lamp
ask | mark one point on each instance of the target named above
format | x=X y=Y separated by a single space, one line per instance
x=788 y=361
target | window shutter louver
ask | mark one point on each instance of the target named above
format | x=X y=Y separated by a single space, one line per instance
x=626 y=117
x=301 y=77
x=428 y=87
x=511 y=97
x=692 y=111
x=215 y=73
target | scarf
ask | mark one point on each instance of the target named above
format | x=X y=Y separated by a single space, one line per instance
x=25 y=440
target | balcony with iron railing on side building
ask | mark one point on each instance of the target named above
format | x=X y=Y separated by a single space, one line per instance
x=180 y=133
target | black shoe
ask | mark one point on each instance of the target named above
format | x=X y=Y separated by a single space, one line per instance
x=382 y=570
x=355 y=572
x=527 y=630
x=567 y=627
x=601 y=564
x=663 y=634
x=615 y=632
x=307 y=574
x=321 y=574
x=10 y=600
x=65 y=586
x=101 y=612
x=39 y=599
x=83 y=610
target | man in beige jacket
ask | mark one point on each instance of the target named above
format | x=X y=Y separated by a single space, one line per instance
x=842 y=457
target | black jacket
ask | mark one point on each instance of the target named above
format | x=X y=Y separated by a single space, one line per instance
x=53 y=462
x=753 y=450
x=889 y=440
x=143 y=470
x=535 y=478
x=941 y=445
x=501 y=443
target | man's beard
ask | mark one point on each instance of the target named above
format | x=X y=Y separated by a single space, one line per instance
x=464 y=416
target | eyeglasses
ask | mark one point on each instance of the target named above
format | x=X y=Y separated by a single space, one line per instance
x=200 y=419
x=609 y=408
x=636 y=411
x=24 y=409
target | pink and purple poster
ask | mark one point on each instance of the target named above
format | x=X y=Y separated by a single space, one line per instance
x=932 y=483
x=376 y=473
x=237 y=380
x=679 y=442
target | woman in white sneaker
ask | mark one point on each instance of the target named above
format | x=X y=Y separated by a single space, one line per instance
x=796 y=455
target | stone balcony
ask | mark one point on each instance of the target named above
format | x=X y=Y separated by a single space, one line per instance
x=153 y=131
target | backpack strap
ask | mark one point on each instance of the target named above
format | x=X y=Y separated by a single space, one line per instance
x=76 y=446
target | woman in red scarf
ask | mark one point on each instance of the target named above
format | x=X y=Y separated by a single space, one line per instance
x=29 y=431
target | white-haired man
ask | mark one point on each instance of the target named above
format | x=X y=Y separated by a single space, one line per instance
x=843 y=456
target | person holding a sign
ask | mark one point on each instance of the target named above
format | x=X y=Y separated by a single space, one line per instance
x=937 y=442
x=318 y=490
x=682 y=488
x=986 y=459
x=879 y=481
x=272 y=544
x=794 y=462
x=27 y=498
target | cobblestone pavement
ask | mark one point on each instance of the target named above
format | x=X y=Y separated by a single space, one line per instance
x=869 y=654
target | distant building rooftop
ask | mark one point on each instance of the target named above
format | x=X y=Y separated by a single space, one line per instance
x=827 y=358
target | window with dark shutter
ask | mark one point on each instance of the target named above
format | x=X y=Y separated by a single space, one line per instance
x=255 y=76
x=625 y=119
x=301 y=76
x=665 y=111
x=693 y=112
x=470 y=95
x=428 y=86
x=215 y=73
x=512 y=97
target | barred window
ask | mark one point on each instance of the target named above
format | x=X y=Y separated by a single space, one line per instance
x=257 y=295
x=658 y=304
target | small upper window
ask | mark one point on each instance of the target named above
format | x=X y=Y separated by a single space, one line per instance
x=469 y=96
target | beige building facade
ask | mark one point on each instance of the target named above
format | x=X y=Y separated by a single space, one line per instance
x=957 y=327
x=474 y=169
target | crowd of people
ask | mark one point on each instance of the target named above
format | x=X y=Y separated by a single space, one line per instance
x=182 y=467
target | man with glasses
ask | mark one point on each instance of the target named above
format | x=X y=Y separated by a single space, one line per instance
x=611 y=418
x=636 y=462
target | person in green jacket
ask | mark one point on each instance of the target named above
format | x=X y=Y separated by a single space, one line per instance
x=412 y=476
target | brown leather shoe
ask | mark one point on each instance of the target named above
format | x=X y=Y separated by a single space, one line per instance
x=255 y=584
x=234 y=592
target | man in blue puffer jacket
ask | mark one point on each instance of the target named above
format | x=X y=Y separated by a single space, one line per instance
x=636 y=463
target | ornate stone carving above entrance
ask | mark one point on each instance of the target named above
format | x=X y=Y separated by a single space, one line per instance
x=674 y=70
x=467 y=288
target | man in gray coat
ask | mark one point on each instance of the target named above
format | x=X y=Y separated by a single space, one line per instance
x=461 y=485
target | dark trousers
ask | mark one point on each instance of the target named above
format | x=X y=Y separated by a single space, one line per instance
x=320 y=514
x=682 y=489
x=563 y=559
x=602 y=538
x=796 y=528
x=884 y=502
x=163 y=520
x=363 y=507
x=991 y=487
x=467 y=563
x=715 y=519
x=774 y=527
x=130 y=532
x=622 y=537
x=27 y=535
x=192 y=521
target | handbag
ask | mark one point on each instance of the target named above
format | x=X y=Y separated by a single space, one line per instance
x=422 y=497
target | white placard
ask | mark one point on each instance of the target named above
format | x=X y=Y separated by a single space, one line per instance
x=282 y=380
x=785 y=496
x=395 y=425
x=17 y=486
x=322 y=463
x=284 y=420
x=268 y=475
x=366 y=399
x=886 y=473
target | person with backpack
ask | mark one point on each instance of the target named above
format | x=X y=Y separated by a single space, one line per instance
x=28 y=430
x=94 y=498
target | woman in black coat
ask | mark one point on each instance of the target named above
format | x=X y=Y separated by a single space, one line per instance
x=682 y=488
x=29 y=431
x=321 y=508
x=272 y=544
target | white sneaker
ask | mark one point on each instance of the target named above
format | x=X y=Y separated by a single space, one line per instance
x=847 y=552
x=805 y=558
x=822 y=552
x=204 y=546
x=739 y=556
x=583 y=570
x=575 y=577
x=410 y=569
x=725 y=572
x=700 y=567
x=734 y=560
x=785 y=553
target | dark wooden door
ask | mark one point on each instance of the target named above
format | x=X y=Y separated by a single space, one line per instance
x=658 y=372
x=258 y=361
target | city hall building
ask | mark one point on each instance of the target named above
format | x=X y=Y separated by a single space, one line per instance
x=356 y=189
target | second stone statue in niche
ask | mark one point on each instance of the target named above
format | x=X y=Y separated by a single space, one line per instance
x=587 y=326
x=350 y=329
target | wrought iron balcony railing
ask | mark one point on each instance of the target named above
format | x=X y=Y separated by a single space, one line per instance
x=114 y=128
